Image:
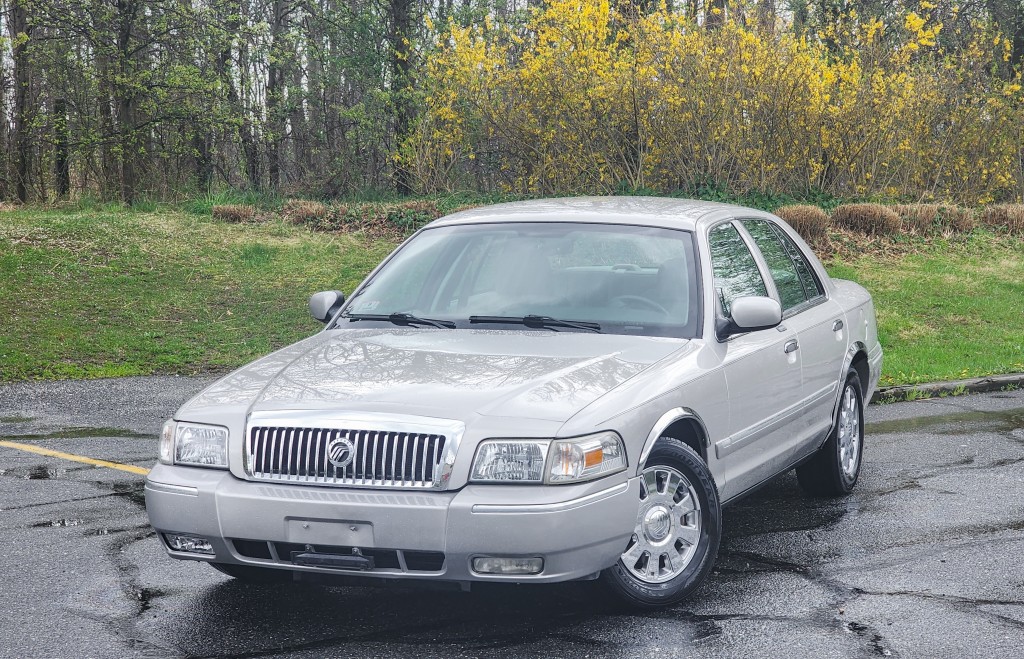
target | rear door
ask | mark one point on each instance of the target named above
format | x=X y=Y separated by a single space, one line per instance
x=819 y=325
x=762 y=369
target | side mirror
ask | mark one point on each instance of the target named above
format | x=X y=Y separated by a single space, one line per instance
x=750 y=314
x=323 y=305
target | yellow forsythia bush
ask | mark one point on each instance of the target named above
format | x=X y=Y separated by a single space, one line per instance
x=585 y=98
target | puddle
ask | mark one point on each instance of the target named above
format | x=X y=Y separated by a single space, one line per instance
x=42 y=472
x=16 y=419
x=1002 y=421
x=133 y=491
x=780 y=507
x=103 y=531
x=56 y=523
x=146 y=597
x=83 y=432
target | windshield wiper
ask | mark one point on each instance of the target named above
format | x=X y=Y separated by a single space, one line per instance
x=537 y=322
x=401 y=319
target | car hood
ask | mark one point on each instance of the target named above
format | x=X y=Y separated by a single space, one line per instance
x=452 y=374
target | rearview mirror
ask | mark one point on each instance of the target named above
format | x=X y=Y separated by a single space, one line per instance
x=323 y=305
x=750 y=314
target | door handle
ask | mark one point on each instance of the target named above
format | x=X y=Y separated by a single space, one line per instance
x=836 y=326
x=792 y=346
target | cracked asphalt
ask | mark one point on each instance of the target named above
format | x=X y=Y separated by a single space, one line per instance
x=923 y=560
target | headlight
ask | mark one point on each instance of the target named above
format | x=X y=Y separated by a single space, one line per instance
x=194 y=444
x=549 y=461
x=586 y=458
x=510 y=460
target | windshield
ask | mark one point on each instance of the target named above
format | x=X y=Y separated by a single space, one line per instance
x=625 y=279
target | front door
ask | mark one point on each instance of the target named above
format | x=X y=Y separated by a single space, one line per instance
x=819 y=325
x=762 y=371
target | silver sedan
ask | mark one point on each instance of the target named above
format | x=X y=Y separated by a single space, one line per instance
x=531 y=392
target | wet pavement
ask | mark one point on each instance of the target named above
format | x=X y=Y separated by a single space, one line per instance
x=924 y=559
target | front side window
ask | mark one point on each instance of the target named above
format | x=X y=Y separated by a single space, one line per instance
x=626 y=279
x=734 y=267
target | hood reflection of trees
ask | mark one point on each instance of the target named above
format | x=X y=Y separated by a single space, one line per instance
x=351 y=369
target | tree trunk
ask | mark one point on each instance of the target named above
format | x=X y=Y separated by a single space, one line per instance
x=62 y=166
x=125 y=99
x=275 y=92
x=250 y=153
x=766 y=16
x=298 y=135
x=715 y=16
x=5 y=144
x=400 y=39
x=20 y=32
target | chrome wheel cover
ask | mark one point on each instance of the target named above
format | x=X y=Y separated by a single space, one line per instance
x=668 y=527
x=849 y=433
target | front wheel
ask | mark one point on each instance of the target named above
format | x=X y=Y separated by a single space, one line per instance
x=834 y=469
x=677 y=533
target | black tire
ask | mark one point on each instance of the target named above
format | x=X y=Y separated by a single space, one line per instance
x=253 y=574
x=636 y=592
x=824 y=474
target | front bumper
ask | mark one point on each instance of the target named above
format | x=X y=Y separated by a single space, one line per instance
x=578 y=530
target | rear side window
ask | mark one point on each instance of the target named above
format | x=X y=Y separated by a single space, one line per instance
x=780 y=265
x=792 y=274
x=734 y=267
x=807 y=277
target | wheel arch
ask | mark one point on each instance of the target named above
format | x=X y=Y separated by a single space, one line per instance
x=857 y=359
x=679 y=423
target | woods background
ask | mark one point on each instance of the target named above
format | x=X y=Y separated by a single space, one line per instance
x=159 y=99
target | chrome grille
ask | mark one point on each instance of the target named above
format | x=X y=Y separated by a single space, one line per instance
x=381 y=458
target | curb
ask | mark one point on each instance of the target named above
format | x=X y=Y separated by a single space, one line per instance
x=937 y=389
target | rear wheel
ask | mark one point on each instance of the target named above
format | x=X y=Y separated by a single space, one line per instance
x=834 y=469
x=253 y=574
x=677 y=533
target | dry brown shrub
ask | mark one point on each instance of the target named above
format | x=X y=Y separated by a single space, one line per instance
x=869 y=219
x=957 y=219
x=918 y=218
x=234 y=213
x=1004 y=217
x=303 y=211
x=923 y=219
x=809 y=221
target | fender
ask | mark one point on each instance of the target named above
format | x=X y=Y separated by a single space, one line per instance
x=666 y=420
x=855 y=347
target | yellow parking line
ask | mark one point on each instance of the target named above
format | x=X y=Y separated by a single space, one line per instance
x=76 y=458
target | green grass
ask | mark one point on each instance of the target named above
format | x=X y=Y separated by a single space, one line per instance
x=96 y=290
x=108 y=292
x=950 y=310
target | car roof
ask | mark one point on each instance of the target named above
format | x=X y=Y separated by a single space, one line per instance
x=665 y=212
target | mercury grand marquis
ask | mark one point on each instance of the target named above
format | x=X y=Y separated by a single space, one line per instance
x=531 y=392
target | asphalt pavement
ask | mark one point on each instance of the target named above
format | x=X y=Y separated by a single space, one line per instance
x=923 y=560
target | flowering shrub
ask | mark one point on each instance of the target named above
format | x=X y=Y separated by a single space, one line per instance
x=585 y=98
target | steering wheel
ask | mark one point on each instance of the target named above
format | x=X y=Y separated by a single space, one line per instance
x=637 y=302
